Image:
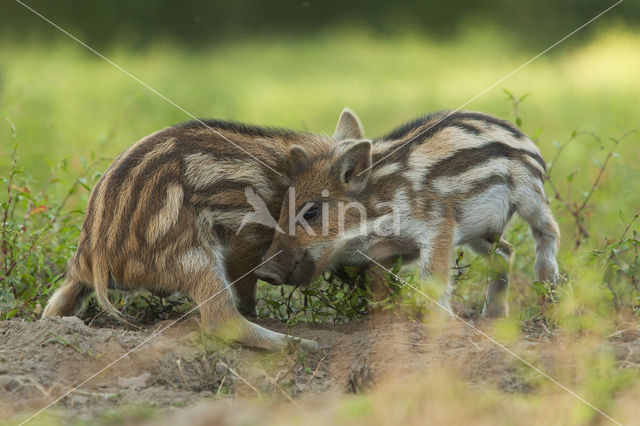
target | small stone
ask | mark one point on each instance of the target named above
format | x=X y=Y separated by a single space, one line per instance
x=9 y=384
x=134 y=382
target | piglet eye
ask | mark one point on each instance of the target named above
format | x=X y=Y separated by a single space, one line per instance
x=311 y=214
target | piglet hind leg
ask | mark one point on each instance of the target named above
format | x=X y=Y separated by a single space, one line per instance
x=496 y=304
x=67 y=299
x=221 y=318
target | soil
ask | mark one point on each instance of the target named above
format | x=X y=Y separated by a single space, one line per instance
x=109 y=366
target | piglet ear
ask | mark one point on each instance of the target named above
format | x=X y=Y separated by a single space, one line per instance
x=355 y=166
x=298 y=160
x=348 y=127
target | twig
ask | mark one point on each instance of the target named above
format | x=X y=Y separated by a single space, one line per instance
x=474 y=344
x=14 y=165
x=245 y=381
x=574 y=208
x=621 y=239
x=619 y=332
x=289 y=310
x=277 y=386
x=184 y=380
x=220 y=386
x=316 y=370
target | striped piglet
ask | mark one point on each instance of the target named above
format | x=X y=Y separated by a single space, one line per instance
x=446 y=179
x=170 y=214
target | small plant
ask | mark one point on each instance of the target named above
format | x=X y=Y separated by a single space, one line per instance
x=350 y=295
x=140 y=307
x=39 y=231
x=578 y=204
x=327 y=300
x=620 y=261
x=75 y=345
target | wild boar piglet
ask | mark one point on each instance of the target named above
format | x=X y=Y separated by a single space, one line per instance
x=445 y=179
x=171 y=214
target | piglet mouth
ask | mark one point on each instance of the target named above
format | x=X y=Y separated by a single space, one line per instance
x=299 y=271
x=270 y=276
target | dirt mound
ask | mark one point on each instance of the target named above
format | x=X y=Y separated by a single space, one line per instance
x=111 y=367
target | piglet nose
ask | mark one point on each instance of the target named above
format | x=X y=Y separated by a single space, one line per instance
x=268 y=275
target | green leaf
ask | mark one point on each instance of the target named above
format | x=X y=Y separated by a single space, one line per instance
x=536 y=135
x=621 y=214
x=523 y=97
x=354 y=301
x=83 y=183
x=351 y=271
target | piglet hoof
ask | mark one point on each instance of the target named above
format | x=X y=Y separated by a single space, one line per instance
x=323 y=347
x=310 y=346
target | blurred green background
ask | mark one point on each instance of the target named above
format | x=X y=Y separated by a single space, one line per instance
x=297 y=64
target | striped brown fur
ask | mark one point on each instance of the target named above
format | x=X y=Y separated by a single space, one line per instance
x=165 y=214
x=454 y=177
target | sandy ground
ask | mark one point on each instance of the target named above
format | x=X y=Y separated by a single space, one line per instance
x=174 y=371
